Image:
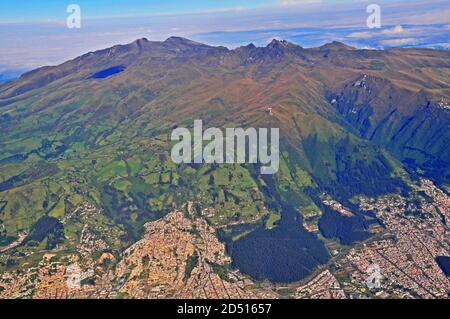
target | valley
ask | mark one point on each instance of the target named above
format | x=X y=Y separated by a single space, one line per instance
x=92 y=205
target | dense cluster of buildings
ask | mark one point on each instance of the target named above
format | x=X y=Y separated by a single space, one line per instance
x=180 y=256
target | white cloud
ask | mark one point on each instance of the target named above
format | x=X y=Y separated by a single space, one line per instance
x=362 y=35
x=399 y=42
x=398 y=29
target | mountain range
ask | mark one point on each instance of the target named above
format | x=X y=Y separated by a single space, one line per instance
x=97 y=129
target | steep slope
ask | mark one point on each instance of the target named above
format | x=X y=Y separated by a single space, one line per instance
x=407 y=123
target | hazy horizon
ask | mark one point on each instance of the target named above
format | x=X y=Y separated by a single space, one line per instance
x=35 y=35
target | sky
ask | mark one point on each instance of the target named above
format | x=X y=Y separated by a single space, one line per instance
x=34 y=33
x=26 y=10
